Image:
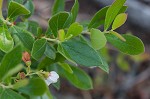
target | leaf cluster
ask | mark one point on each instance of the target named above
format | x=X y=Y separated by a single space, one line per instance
x=62 y=47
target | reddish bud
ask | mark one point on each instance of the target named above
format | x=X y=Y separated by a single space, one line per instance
x=14 y=23
x=26 y=58
x=21 y=75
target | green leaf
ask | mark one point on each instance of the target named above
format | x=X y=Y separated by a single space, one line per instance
x=45 y=62
x=98 y=39
x=66 y=67
x=81 y=53
x=10 y=94
x=30 y=6
x=48 y=32
x=74 y=11
x=16 y=9
x=33 y=27
x=98 y=18
x=23 y=25
x=79 y=78
x=1 y=90
x=58 y=21
x=75 y=56
x=50 y=51
x=46 y=95
x=59 y=58
x=10 y=61
x=13 y=71
x=119 y=20
x=68 y=21
x=36 y=87
x=1 y=55
x=39 y=32
x=20 y=83
x=18 y=1
x=74 y=30
x=112 y=12
x=118 y=35
x=132 y=45
x=38 y=49
x=104 y=66
x=85 y=40
x=64 y=53
x=123 y=9
x=58 y=6
x=25 y=37
x=6 y=41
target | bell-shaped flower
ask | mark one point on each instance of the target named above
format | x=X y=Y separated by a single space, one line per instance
x=52 y=78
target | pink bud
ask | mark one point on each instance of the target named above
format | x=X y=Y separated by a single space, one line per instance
x=26 y=58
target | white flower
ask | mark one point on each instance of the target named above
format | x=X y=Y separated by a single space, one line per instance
x=52 y=78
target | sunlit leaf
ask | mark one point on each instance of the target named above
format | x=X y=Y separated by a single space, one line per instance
x=6 y=41
x=74 y=30
x=112 y=12
x=119 y=20
x=98 y=39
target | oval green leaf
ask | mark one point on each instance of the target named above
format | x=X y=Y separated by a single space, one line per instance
x=119 y=20
x=98 y=39
x=50 y=51
x=132 y=45
x=98 y=18
x=81 y=53
x=66 y=67
x=58 y=21
x=25 y=37
x=6 y=41
x=16 y=9
x=74 y=30
x=38 y=49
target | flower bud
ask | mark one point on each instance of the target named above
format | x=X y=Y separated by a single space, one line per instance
x=21 y=75
x=26 y=58
x=52 y=78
